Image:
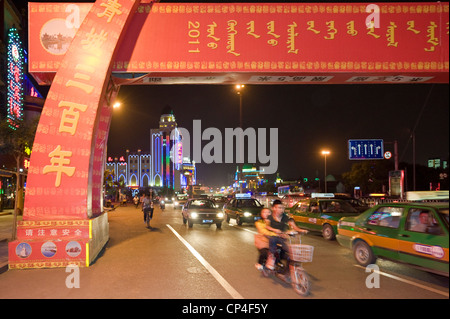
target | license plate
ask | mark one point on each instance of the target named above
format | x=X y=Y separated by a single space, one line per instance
x=257 y=218
x=207 y=221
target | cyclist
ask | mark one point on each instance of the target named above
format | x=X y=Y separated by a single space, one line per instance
x=279 y=223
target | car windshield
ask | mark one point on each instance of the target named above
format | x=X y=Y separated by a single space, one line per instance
x=356 y=202
x=334 y=206
x=201 y=203
x=444 y=215
x=248 y=203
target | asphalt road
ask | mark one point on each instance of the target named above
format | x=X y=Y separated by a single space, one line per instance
x=172 y=261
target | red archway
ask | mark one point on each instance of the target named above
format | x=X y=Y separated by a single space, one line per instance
x=63 y=208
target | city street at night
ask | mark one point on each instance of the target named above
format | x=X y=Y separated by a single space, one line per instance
x=239 y=126
x=219 y=264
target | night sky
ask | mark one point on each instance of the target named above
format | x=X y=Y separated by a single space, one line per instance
x=309 y=118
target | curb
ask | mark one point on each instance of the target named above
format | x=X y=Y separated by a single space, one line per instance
x=3 y=268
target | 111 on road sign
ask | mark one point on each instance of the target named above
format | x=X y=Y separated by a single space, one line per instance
x=365 y=149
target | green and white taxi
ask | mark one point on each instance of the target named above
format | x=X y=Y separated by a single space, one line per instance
x=414 y=233
x=321 y=213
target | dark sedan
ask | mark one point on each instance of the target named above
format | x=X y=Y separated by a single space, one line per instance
x=202 y=211
x=244 y=210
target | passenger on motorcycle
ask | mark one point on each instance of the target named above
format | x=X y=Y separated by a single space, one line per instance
x=262 y=238
x=279 y=223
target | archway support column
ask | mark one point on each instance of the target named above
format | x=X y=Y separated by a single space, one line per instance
x=63 y=221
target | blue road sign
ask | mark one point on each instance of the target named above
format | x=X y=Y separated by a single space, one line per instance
x=365 y=149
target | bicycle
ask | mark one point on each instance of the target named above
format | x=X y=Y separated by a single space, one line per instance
x=297 y=254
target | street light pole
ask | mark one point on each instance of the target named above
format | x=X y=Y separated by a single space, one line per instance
x=239 y=88
x=325 y=153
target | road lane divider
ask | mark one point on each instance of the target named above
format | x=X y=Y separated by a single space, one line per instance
x=241 y=228
x=233 y=292
x=443 y=293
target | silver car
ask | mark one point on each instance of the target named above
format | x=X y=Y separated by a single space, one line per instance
x=202 y=211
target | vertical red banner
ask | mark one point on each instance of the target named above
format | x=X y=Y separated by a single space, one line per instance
x=64 y=180
x=63 y=222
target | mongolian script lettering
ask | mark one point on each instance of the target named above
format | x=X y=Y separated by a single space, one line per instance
x=331 y=30
x=372 y=33
x=291 y=38
x=391 y=35
x=351 y=28
x=431 y=35
x=271 y=31
x=251 y=29
x=411 y=27
x=311 y=27
x=211 y=34
x=231 y=29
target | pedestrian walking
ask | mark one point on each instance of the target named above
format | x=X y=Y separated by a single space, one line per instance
x=136 y=200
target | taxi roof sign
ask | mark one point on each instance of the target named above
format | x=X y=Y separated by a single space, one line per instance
x=427 y=195
x=243 y=195
x=322 y=195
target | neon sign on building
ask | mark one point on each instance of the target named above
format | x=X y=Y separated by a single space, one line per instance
x=15 y=79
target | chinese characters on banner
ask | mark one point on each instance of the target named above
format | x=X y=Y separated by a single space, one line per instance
x=301 y=38
x=63 y=221
x=65 y=175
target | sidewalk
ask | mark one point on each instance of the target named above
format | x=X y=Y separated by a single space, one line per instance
x=137 y=263
x=6 y=223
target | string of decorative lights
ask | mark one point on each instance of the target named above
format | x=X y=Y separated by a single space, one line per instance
x=15 y=77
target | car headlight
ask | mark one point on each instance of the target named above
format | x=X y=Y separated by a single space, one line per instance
x=194 y=215
x=162 y=202
x=220 y=215
x=176 y=203
x=247 y=214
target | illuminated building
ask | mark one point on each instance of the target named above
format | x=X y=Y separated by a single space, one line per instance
x=252 y=178
x=188 y=174
x=166 y=152
x=164 y=166
x=133 y=171
x=20 y=101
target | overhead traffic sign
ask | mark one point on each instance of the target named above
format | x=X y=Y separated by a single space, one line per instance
x=370 y=149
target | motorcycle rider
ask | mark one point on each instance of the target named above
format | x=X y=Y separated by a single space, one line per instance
x=279 y=223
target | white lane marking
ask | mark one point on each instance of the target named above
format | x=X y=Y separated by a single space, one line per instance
x=210 y=268
x=409 y=282
x=248 y=230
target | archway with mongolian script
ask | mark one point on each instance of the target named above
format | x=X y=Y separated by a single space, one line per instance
x=86 y=51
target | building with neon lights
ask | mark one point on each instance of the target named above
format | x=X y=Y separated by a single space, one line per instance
x=133 y=171
x=20 y=100
x=163 y=166
x=166 y=152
